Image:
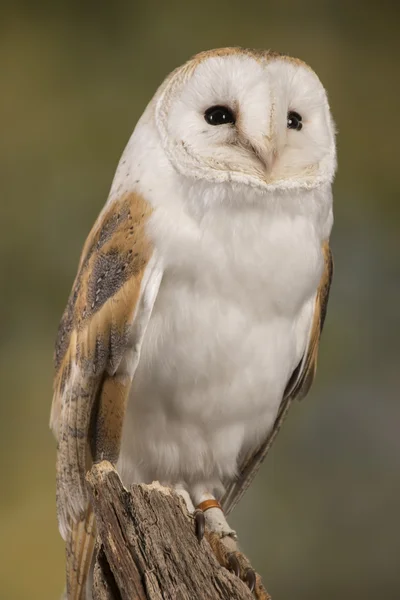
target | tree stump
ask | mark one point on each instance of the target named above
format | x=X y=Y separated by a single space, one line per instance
x=147 y=549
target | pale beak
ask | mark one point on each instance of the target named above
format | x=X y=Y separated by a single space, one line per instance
x=264 y=151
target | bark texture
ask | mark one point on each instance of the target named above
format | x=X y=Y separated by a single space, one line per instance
x=147 y=549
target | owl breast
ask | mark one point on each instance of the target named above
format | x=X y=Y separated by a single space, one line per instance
x=229 y=326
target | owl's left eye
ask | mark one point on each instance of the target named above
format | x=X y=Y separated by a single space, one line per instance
x=219 y=115
x=294 y=120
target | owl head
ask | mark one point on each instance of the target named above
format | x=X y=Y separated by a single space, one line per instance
x=259 y=118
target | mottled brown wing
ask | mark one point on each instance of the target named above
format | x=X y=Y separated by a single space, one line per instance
x=96 y=354
x=297 y=387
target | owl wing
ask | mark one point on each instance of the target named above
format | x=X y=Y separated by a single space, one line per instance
x=96 y=355
x=296 y=388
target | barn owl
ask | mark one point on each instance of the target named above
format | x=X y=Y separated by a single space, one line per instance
x=195 y=316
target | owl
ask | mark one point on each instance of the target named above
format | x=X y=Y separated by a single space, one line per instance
x=195 y=317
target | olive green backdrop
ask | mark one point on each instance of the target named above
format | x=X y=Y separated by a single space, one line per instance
x=322 y=520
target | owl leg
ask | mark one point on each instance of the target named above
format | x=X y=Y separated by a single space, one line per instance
x=211 y=522
x=207 y=514
x=223 y=540
x=207 y=505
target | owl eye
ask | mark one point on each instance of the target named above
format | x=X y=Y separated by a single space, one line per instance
x=219 y=115
x=294 y=121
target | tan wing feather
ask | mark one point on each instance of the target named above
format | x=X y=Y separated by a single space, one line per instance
x=79 y=551
x=297 y=387
x=95 y=361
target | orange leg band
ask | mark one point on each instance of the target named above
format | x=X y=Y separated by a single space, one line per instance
x=206 y=504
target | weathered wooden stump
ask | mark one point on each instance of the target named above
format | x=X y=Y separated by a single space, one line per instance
x=147 y=550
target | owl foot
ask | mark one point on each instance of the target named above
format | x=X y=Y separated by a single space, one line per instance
x=214 y=517
x=210 y=523
x=228 y=556
x=209 y=513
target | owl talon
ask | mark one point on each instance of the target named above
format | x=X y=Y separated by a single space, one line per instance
x=200 y=524
x=233 y=564
x=250 y=579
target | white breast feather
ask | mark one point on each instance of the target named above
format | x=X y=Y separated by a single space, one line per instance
x=230 y=324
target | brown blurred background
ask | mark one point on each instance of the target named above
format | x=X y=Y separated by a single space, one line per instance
x=322 y=519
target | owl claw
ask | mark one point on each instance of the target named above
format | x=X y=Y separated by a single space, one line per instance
x=234 y=564
x=250 y=579
x=200 y=524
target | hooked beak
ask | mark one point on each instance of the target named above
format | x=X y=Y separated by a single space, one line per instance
x=264 y=151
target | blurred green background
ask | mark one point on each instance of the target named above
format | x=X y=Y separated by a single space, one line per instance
x=322 y=520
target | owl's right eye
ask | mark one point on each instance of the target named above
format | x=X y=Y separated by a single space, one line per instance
x=219 y=115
